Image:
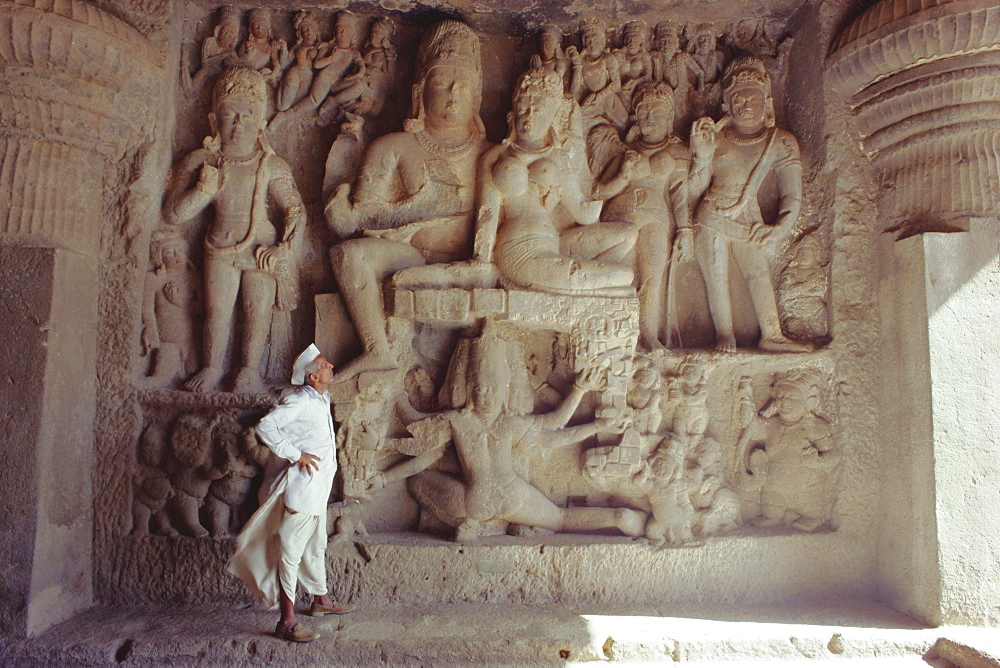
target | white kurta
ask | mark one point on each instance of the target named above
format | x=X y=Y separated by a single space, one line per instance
x=300 y=423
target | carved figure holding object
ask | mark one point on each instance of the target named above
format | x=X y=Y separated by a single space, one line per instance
x=634 y=61
x=339 y=79
x=596 y=78
x=260 y=51
x=240 y=176
x=731 y=160
x=551 y=57
x=217 y=51
x=298 y=79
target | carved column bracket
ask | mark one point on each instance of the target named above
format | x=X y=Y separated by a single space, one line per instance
x=923 y=81
x=61 y=65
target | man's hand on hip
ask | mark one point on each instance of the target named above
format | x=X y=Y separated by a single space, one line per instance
x=308 y=463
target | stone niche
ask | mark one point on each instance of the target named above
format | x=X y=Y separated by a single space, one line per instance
x=664 y=390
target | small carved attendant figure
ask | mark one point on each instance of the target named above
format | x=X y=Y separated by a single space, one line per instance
x=170 y=306
x=650 y=191
x=339 y=80
x=217 y=51
x=552 y=58
x=704 y=70
x=733 y=157
x=415 y=194
x=670 y=65
x=596 y=80
x=239 y=174
x=260 y=51
x=798 y=457
x=379 y=57
x=634 y=61
x=299 y=76
x=662 y=479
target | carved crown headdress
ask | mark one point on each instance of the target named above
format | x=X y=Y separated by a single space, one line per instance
x=449 y=43
x=228 y=13
x=262 y=13
x=746 y=70
x=240 y=82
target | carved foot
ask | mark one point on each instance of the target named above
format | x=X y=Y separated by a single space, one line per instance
x=248 y=381
x=725 y=343
x=632 y=522
x=651 y=344
x=367 y=362
x=784 y=345
x=205 y=380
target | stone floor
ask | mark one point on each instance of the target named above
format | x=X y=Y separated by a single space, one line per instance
x=840 y=634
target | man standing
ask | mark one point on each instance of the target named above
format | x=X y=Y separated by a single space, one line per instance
x=299 y=432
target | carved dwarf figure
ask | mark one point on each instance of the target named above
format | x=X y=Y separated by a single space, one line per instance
x=379 y=57
x=232 y=475
x=650 y=191
x=491 y=493
x=716 y=505
x=240 y=175
x=298 y=79
x=802 y=290
x=152 y=485
x=596 y=79
x=731 y=160
x=661 y=478
x=260 y=51
x=414 y=196
x=171 y=305
x=792 y=449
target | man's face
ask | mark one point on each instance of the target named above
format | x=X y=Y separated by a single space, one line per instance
x=668 y=41
x=239 y=122
x=448 y=95
x=534 y=113
x=747 y=105
x=323 y=375
x=655 y=118
x=174 y=256
x=633 y=41
x=344 y=33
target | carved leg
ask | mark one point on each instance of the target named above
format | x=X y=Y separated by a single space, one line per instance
x=187 y=515
x=757 y=270
x=218 y=517
x=258 y=304
x=222 y=283
x=140 y=518
x=712 y=252
x=609 y=242
x=652 y=254
x=359 y=265
x=439 y=494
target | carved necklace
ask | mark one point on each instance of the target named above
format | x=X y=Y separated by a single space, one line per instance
x=239 y=162
x=647 y=146
x=744 y=140
x=434 y=147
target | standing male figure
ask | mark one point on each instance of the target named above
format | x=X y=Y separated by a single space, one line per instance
x=299 y=432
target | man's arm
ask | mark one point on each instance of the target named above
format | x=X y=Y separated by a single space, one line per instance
x=269 y=429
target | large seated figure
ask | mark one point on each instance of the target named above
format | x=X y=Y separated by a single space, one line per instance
x=523 y=182
x=415 y=193
x=240 y=175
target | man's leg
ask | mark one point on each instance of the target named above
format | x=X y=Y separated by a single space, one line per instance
x=359 y=265
x=312 y=572
x=712 y=252
x=222 y=283
x=296 y=531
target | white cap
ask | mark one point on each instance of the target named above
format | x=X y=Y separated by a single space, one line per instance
x=301 y=362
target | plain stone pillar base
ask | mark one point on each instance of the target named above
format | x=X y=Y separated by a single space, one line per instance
x=48 y=314
x=962 y=281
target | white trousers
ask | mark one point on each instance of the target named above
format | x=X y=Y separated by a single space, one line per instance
x=303 y=553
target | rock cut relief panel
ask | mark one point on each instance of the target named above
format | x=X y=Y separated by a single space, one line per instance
x=533 y=335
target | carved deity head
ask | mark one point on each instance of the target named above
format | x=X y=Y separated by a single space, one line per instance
x=668 y=38
x=746 y=93
x=795 y=393
x=227 y=31
x=345 y=30
x=594 y=34
x=536 y=106
x=490 y=379
x=168 y=253
x=380 y=34
x=634 y=36
x=239 y=103
x=550 y=41
x=306 y=26
x=448 y=83
x=260 y=22
x=704 y=40
x=654 y=111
